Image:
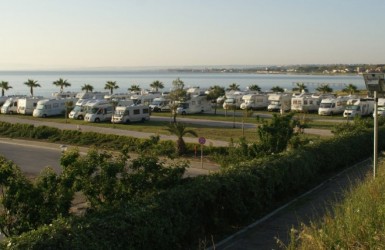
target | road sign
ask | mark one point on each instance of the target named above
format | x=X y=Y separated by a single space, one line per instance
x=202 y=140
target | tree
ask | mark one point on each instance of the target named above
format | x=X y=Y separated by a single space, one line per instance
x=215 y=92
x=300 y=87
x=4 y=86
x=176 y=95
x=277 y=89
x=180 y=130
x=111 y=85
x=62 y=84
x=157 y=85
x=350 y=89
x=233 y=86
x=87 y=87
x=275 y=135
x=134 y=88
x=254 y=87
x=32 y=84
x=324 y=88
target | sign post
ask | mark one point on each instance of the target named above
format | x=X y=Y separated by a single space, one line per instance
x=202 y=141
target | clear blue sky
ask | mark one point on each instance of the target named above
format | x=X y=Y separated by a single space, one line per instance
x=45 y=34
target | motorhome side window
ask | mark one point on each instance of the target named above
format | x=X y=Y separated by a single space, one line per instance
x=145 y=111
x=136 y=111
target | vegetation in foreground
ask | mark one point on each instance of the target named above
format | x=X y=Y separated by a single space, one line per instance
x=358 y=222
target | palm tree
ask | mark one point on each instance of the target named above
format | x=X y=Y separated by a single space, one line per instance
x=111 y=86
x=157 y=85
x=180 y=130
x=254 y=87
x=4 y=86
x=233 y=86
x=350 y=89
x=134 y=88
x=277 y=89
x=62 y=84
x=300 y=87
x=32 y=84
x=324 y=88
x=87 y=87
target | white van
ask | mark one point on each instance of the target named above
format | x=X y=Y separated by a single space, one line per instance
x=26 y=105
x=10 y=106
x=52 y=107
x=127 y=114
x=98 y=111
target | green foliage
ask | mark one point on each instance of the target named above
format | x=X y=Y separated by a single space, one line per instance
x=27 y=205
x=275 y=136
x=179 y=129
x=210 y=205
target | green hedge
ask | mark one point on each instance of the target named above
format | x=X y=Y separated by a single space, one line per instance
x=189 y=214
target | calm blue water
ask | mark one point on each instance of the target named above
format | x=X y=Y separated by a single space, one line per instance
x=124 y=80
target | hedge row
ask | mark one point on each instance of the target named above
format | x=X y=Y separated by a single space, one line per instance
x=106 y=141
x=188 y=215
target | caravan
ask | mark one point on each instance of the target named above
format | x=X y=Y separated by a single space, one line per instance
x=127 y=114
x=26 y=105
x=233 y=100
x=255 y=101
x=308 y=102
x=196 y=104
x=279 y=101
x=52 y=107
x=10 y=105
x=333 y=106
x=359 y=107
x=160 y=104
x=98 y=111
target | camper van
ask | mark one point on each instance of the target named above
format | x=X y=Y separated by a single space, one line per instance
x=127 y=114
x=333 y=106
x=145 y=99
x=98 y=111
x=78 y=112
x=359 y=107
x=26 y=105
x=279 y=101
x=233 y=100
x=255 y=101
x=52 y=107
x=308 y=102
x=196 y=104
x=10 y=106
x=160 y=104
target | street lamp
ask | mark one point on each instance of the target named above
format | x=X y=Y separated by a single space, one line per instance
x=376 y=86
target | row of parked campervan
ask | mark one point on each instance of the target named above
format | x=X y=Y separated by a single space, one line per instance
x=324 y=104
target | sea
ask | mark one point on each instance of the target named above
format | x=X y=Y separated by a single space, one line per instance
x=125 y=79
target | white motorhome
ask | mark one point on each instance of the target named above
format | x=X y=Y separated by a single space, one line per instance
x=79 y=111
x=52 y=107
x=160 y=104
x=91 y=95
x=359 y=107
x=26 y=105
x=10 y=105
x=145 y=99
x=127 y=114
x=255 y=101
x=233 y=100
x=380 y=107
x=279 y=101
x=333 y=106
x=308 y=102
x=196 y=104
x=98 y=111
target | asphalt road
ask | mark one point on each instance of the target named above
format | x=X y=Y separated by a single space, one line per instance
x=32 y=157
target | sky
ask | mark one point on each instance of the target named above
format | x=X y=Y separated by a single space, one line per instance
x=82 y=34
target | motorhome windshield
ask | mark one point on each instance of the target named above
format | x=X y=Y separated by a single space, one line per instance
x=93 y=110
x=352 y=107
x=40 y=106
x=325 y=105
x=78 y=108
